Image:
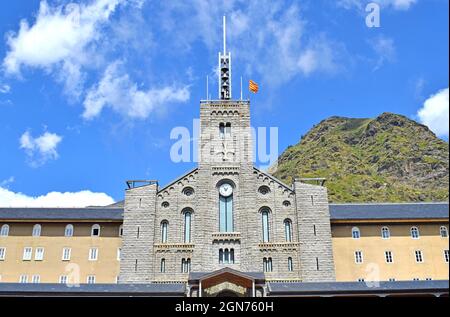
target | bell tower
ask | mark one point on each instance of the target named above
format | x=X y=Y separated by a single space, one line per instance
x=225 y=221
x=224 y=68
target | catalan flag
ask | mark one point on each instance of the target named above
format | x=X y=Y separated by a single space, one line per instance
x=252 y=86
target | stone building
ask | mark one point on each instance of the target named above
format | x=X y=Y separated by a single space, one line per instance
x=226 y=228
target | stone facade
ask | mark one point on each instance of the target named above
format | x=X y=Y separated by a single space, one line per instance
x=226 y=157
x=190 y=226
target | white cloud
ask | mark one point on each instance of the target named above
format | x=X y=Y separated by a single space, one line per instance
x=61 y=40
x=117 y=91
x=6 y=182
x=5 y=88
x=385 y=49
x=268 y=39
x=59 y=34
x=435 y=113
x=83 y=198
x=40 y=149
x=73 y=42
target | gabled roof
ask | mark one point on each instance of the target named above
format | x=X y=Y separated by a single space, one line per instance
x=246 y=275
x=375 y=211
x=177 y=179
x=276 y=180
x=91 y=213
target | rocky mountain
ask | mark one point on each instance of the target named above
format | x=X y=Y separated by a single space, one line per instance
x=387 y=159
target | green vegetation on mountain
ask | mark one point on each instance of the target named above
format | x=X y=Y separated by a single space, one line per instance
x=387 y=159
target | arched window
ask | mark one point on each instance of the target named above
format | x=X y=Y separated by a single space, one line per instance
x=68 y=231
x=120 y=230
x=228 y=130
x=226 y=209
x=36 y=230
x=385 y=233
x=415 y=233
x=444 y=232
x=164 y=231
x=265 y=225
x=267 y=264
x=288 y=230
x=290 y=265
x=4 y=232
x=222 y=130
x=163 y=266
x=95 y=231
x=187 y=227
x=356 y=234
x=185 y=265
x=226 y=256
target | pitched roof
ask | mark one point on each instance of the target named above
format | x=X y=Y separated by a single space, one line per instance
x=389 y=211
x=155 y=289
x=369 y=211
x=356 y=287
x=90 y=213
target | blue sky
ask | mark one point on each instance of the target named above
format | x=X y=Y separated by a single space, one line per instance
x=90 y=90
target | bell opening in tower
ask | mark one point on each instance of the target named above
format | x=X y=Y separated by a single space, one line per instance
x=225 y=69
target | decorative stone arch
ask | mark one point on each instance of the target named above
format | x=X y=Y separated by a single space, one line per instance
x=227 y=282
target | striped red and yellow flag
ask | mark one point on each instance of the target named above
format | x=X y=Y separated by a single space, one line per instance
x=252 y=86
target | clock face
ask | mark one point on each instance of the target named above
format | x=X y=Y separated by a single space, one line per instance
x=226 y=190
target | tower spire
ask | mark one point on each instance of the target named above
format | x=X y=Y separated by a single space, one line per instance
x=225 y=68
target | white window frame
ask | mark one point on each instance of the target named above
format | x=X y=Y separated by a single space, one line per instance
x=383 y=230
x=23 y=279
x=68 y=230
x=2 y=253
x=389 y=255
x=27 y=254
x=36 y=279
x=94 y=227
x=93 y=254
x=39 y=254
x=90 y=279
x=63 y=279
x=37 y=229
x=356 y=229
x=443 y=229
x=119 y=251
x=359 y=257
x=4 y=230
x=69 y=253
x=419 y=254
x=415 y=229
